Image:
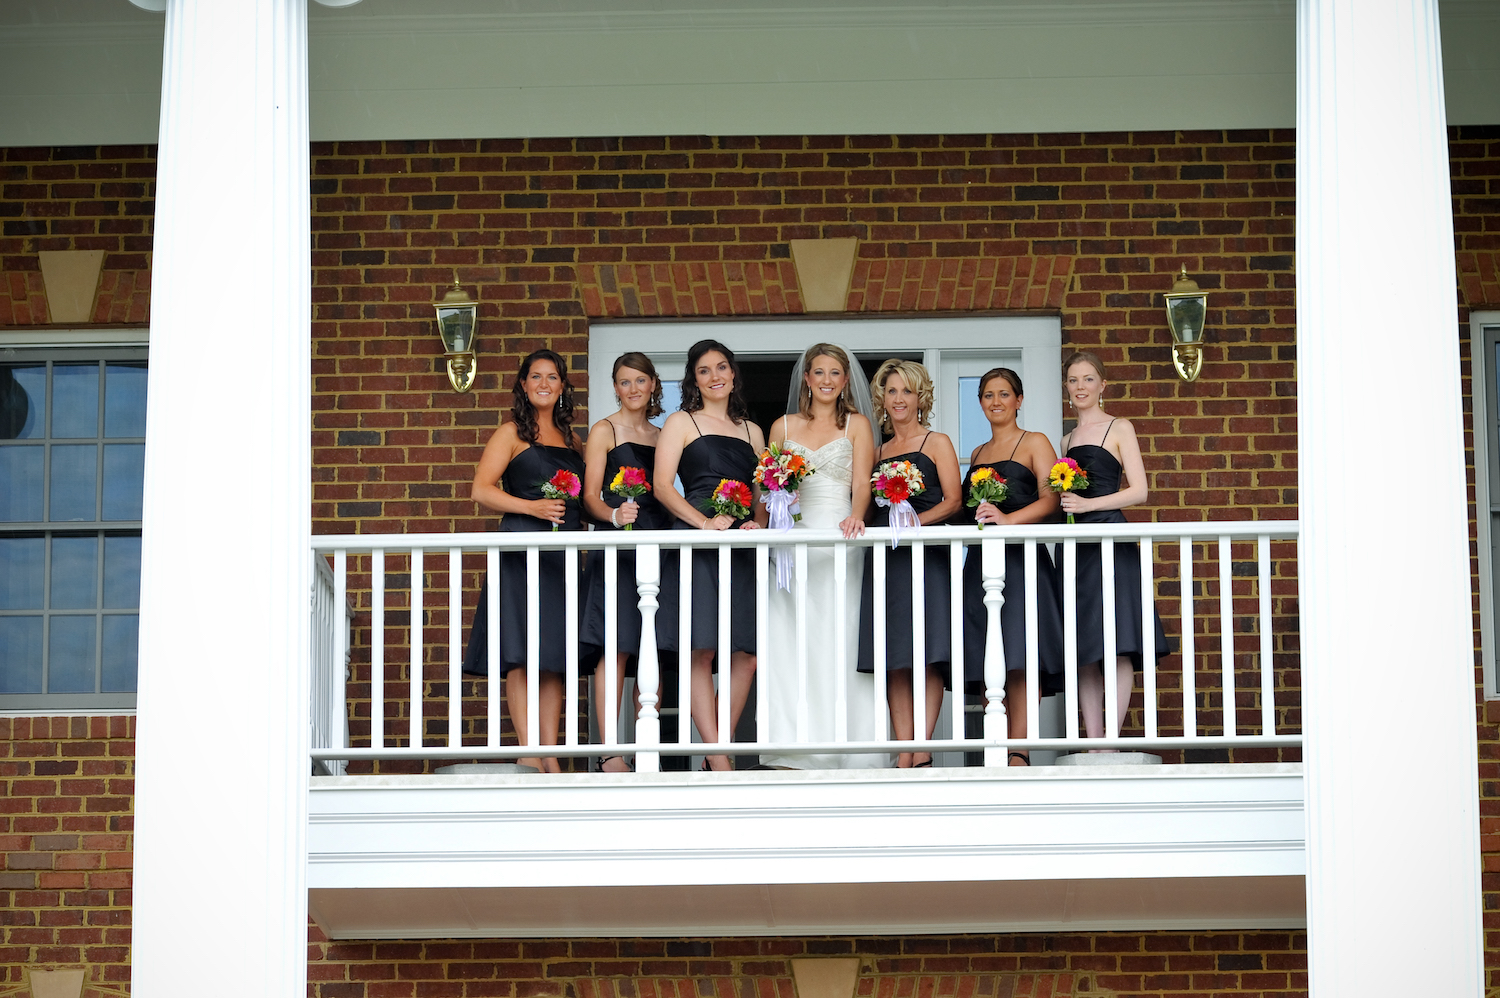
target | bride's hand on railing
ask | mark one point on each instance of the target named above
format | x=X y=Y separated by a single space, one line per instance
x=750 y=525
x=852 y=527
x=988 y=512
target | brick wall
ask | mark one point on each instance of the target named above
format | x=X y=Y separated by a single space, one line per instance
x=1082 y=965
x=65 y=836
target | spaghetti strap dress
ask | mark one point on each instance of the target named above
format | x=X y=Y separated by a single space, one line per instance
x=523 y=479
x=1105 y=472
x=705 y=462
x=652 y=516
x=936 y=586
x=1021 y=491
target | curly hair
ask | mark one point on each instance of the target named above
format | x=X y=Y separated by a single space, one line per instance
x=637 y=361
x=525 y=413
x=692 y=398
x=1011 y=378
x=844 y=406
x=916 y=378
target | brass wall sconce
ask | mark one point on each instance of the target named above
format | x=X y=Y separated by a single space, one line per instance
x=1187 y=307
x=458 y=319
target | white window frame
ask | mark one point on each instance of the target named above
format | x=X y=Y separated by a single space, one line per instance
x=12 y=340
x=1484 y=333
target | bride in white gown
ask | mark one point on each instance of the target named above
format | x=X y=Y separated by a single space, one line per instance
x=828 y=423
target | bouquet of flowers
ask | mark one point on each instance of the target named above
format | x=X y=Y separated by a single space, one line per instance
x=1067 y=476
x=986 y=486
x=894 y=483
x=780 y=474
x=564 y=485
x=731 y=498
x=630 y=483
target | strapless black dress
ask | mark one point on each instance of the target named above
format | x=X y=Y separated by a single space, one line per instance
x=705 y=462
x=1021 y=491
x=1105 y=472
x=936 y=585
x=523 y=479
x=653 y=516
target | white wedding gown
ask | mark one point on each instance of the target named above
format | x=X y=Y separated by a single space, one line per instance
x=825 y=501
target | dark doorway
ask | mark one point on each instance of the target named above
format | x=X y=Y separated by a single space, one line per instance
x=767 y=380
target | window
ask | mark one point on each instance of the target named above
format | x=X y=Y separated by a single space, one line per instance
x=72 y=445
x=1484 y=342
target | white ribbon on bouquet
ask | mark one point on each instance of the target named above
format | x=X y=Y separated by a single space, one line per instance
x=783 y=507
x=902 y=516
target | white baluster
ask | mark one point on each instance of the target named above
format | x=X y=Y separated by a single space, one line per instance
x=1148 y=633
x=1189 y=665
x=533 y=645
x=570 y=643
x=610 y=733
x=762 y=629
x=726 y=681
x=881 y=708
x=455 y=646
x=841 y=642
x=1107 y=666
x=1267 y=657
x=1070 y=635
x=956 y=638
x=801 y=598
x=685 y=646
x=1226 y=633
x=992 y=567
x=648 y=671
x=337 y=710
x=492 y=645
x=1033 y=649
x=377 y=648
x=919 y=641
x=417 y=641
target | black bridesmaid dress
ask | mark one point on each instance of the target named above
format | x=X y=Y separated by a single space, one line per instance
x=704 y=463
x=653 y=516
x=936 y=584
x=1021 y=491
x=523 y=479
x=1105 y=472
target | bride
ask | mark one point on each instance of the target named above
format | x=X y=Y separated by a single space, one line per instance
x=828 y=423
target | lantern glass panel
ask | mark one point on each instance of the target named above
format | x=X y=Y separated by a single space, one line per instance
x=1185 y=316
x=456 y=327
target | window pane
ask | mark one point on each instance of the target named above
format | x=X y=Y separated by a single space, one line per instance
x=73 y=474
x=20 y=654
x=124 y=480
x=75 y=400
x=973 y=428
x=121 y=636
x=122 y=573
x=23 y=401
x=124 y=400
x=21 y=483
x=75 y=566
x=21 y=572
x=70 y=654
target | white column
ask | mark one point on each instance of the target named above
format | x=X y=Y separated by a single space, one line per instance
x=1393 y=900
x=221 y=753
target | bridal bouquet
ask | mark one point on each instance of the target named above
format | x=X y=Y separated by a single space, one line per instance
x=564 y=485
x=894 y=483
x=630 y=483
x=780 y=474
x=1067 y=476
x=986 y=486
x=731 y=498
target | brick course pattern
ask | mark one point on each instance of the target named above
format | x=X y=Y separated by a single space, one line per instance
x=1081 y=965
x=66 y=820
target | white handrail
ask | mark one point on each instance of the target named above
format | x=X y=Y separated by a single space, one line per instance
x=656 y=549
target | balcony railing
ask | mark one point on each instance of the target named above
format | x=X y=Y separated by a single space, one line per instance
x=1234 y=611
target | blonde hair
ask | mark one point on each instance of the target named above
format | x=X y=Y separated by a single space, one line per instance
x=844 y=407
x=916 y=378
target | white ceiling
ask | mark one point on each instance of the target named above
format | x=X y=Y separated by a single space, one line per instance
x=88 y=71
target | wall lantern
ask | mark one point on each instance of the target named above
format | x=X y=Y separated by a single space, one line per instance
x=1187 y=307
x=457 y=319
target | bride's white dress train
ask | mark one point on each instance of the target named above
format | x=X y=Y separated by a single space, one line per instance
x=825 y=503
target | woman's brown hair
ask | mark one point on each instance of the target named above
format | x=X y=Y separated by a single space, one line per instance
x=1084 y=357
x=637 y=361
x=525 y=413
x=844 y=407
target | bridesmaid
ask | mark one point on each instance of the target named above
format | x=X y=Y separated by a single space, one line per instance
x=623 y=439
x=519 y=457
x=1023 y=459
x=1105 y=448
x=902 y=393
x=711 y=439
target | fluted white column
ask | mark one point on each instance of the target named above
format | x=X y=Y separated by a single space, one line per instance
x=1393 y=899
x=221 y=754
